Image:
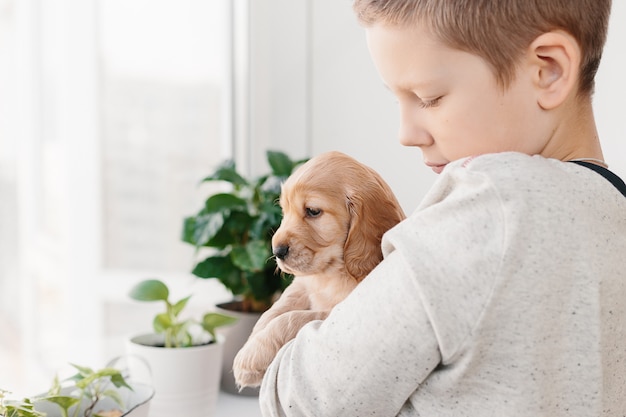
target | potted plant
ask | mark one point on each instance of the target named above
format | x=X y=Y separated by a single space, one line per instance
x=184 y=354
x=237 y=226
x=93 y=393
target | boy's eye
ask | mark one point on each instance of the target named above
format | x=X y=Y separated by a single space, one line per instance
x=313 y=212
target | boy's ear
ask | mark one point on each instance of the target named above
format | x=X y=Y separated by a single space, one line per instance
x=555 y=61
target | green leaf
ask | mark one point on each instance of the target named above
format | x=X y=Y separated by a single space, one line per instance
x=215 y=320
x=199 y=230
x=179 y=306
x=266 y=224
x=280 y=163
x=83 y=370
x=221 y=268
x=115 y=396
x=212 y=321
x=63 y=401
x=217 y=266
x=55 y=389
x=150 y=290
x=262 y=286
x=119 y=381
x=102 y=373
x=237 y=224
x=270 y=187
x=251 y=257
x=224 y=202
x=187 y=339
x=285 y=281
x=161 y=322
x=214 y=225
x=226 y=172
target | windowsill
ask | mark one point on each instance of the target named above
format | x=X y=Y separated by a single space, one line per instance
x=229 y=405
x=22 y=374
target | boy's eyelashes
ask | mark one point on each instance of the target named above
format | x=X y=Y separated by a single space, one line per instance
x=425 y=104
x=421 y=103
x=410 y=95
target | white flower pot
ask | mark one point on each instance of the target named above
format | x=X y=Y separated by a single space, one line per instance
x=186 y=380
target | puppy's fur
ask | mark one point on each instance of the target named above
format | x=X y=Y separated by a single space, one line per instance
x=335 y=211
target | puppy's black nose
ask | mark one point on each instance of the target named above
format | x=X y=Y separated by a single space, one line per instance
x=280 y=251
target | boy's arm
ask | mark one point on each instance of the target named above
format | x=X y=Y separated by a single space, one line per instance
x=364 y=359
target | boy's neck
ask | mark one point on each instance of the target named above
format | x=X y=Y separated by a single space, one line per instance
x=576 y=135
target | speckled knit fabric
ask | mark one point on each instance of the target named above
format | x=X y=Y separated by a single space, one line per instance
x=503 y=294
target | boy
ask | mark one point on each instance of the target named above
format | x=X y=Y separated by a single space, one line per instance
x=503 y=293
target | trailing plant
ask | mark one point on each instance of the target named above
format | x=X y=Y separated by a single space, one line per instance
x=17 y=408
x=177 y=331
x=91 y=387
x=238 y=225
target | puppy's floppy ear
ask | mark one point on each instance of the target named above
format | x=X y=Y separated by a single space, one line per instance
x=373 y=210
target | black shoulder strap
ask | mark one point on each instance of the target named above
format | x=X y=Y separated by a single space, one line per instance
x=609 y=175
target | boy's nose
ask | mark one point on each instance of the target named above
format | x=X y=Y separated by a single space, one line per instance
x=412 y=135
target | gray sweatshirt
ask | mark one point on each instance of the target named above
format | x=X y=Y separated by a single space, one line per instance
x=503 y=294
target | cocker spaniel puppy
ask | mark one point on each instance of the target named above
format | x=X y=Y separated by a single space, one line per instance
x=335 y=212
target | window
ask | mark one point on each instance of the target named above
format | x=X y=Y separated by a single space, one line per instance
x=112 y=111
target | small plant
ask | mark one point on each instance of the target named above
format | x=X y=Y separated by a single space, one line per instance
x=176 y=331
x=239 y=226
x=91 y=387
x=17 y=408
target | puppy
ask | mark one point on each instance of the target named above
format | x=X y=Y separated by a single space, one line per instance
x=335 y=212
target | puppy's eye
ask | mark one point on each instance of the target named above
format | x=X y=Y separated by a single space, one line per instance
x=313 y=212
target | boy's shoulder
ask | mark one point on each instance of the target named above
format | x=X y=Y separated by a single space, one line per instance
x=515 y=175
x=516 y=167
x=501 y=160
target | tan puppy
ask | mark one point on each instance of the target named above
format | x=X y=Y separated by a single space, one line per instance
x=335 y=212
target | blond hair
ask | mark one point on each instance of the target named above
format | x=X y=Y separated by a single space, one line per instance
x=500 y=30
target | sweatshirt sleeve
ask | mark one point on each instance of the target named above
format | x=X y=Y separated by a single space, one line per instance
x=366 y=358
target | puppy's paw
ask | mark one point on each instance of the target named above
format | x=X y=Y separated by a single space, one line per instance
x=250 y=379
x=251 y=363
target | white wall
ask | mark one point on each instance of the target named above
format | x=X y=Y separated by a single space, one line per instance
x=610 y=89
x=278 y=85
x=342 y=104
x=351 y=110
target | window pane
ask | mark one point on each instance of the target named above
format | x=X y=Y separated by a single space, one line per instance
x=164 y=96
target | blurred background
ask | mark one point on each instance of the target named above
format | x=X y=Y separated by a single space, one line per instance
x=112 y=111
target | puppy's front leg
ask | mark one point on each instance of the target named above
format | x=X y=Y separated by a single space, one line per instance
x=256 y=355
x=293 y=298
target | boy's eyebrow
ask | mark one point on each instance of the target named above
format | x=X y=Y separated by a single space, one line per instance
x=398 y=89
x=411 y=87
x=390 y=90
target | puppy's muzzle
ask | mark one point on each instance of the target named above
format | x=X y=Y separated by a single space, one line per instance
x=280 y=251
